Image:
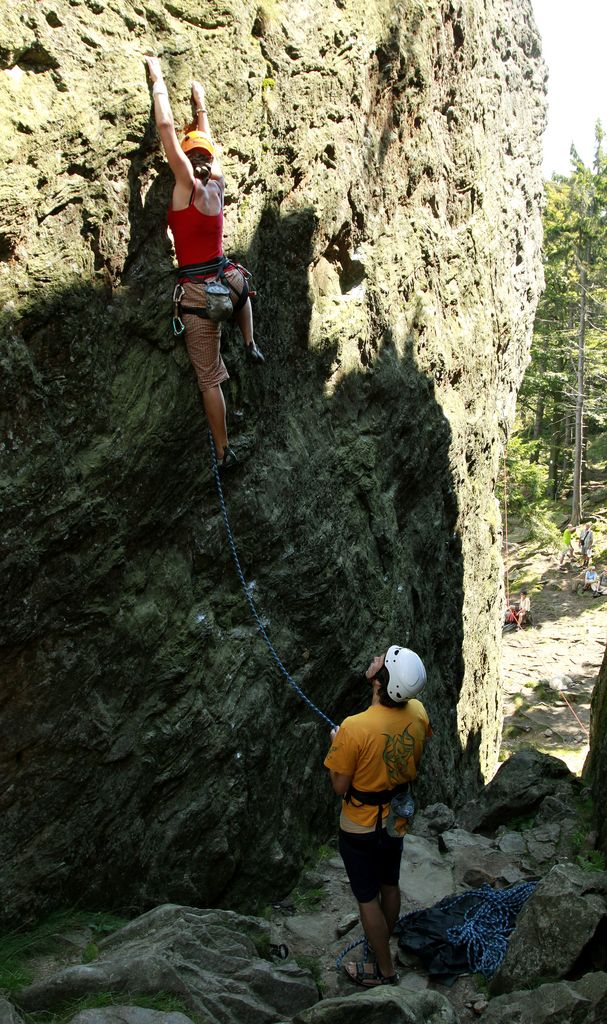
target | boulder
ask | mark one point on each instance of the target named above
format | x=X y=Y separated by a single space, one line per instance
x=207 y=958
x=8 y=1013
x=433 y=820
x=517 y=790
x=426 y=874
x=558 y=931
x=386 y=1005
x=563 y=1002
x=477 y=860
x=128 y=1015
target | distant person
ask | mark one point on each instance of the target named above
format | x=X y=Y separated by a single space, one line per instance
x=599 y=587
x=567 y=548
x=590 y=576
x=519 y=614
x=587 y=543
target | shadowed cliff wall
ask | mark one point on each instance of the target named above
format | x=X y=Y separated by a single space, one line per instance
x=383 y=178
x=596 y=764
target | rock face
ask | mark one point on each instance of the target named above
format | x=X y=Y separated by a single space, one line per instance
x=597 y=759
x=383 y=169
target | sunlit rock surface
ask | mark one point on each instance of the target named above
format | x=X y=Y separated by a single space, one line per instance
x=383 y=170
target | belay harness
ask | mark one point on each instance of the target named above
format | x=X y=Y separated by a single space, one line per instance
x=217 y=289
x=399 y=797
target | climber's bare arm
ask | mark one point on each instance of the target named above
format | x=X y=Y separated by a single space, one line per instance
x=203 y=125
x=178 y=161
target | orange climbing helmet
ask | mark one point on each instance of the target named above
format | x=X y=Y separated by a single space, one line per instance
x=198 y=140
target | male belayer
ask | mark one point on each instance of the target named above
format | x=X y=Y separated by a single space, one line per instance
x=373 y=757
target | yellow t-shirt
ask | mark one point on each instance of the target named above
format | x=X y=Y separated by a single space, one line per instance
x=379 y=748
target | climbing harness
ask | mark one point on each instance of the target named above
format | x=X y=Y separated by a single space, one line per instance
x=218 y=304
x=247 y=592
x=486 y=928
x=380 y=797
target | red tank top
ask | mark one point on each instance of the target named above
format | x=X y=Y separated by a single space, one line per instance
x=198 y=236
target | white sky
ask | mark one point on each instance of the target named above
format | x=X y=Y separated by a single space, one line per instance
x=574 y=46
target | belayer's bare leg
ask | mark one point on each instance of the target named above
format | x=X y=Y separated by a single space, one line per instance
x=377 y=931
x=215 y=409
x=390 y=904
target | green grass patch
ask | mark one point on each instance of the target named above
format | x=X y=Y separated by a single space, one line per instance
x=20 y=948
x=313 y=965
x=163 y=1001
x=542 y=691
x=261 y=941
x=307 y=899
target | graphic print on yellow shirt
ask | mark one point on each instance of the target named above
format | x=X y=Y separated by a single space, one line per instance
x=379 y=748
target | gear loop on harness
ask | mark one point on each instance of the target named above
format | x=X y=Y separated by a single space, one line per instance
x=247 y=593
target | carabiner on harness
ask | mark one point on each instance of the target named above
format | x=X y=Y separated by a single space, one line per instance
x=178 y=324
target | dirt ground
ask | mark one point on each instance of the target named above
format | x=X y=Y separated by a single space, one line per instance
x=549 y=670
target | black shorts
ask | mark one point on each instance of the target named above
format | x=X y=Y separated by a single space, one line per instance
x=371 y=859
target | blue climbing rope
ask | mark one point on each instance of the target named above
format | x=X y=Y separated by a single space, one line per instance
x=357 y=942
x=485 y=930
x=487 y=926
x=247 y=593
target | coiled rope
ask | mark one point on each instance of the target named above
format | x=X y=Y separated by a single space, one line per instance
x=247 y=593
x=487 y=926
x=485 y=930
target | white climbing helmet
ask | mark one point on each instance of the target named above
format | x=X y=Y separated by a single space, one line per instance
x=406 y=671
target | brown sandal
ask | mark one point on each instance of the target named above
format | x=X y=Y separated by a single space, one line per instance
x=368 y=975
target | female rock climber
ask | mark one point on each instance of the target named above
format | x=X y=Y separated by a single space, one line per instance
x=196 y=221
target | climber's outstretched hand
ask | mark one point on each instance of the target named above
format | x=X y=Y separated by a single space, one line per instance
x=154 y=68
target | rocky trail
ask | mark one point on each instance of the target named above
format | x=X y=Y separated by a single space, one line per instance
x=221 y=967
x=549 y=670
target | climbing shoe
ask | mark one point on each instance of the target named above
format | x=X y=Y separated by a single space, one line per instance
x=254 y=354
x=229 y=459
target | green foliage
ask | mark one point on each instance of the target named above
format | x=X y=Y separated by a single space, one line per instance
x=526 y=486
x=526 y=479
x=591 y=860
x=571 y=317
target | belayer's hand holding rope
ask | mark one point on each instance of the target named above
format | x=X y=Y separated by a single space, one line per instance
x=210 y=288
